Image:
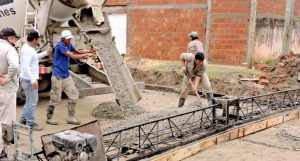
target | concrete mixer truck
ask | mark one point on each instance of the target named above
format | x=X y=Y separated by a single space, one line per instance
x=103 y=73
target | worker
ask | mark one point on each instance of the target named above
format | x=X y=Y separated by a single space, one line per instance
x=195 y=45
x=29 y=78
x=61 y=81
x=9 y=83
x=194 y=67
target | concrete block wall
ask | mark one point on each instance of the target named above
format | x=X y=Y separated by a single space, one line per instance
x=229 y=31
x=159 y=29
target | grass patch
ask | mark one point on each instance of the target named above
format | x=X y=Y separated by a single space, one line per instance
x=219 y=71
x=272 y=61
x=165 y=66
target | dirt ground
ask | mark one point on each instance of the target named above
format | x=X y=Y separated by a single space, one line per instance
x=279 y=143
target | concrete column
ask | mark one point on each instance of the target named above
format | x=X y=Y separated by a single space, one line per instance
x=288 y=24
x=207 y=29
x=251 y=34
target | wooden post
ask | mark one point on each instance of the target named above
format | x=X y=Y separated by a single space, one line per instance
x=288 y=23
x=207 y=31
x=251 y=34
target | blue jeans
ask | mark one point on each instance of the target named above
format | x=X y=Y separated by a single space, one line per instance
x=32 y=98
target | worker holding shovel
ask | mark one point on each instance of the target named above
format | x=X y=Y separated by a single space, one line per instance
x=194 y=67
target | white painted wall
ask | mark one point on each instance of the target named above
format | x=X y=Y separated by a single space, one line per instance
x=118 y=24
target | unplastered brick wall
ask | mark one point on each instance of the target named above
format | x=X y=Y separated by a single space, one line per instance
x=297 y=8
x=229 y=31
x=276 y=7
x=116 y=2
x=159 y=29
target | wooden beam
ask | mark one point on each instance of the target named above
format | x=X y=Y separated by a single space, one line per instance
x=251 y=34
x=288 y=23
x=207 y=31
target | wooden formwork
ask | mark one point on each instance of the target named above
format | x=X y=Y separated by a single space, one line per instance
x=231 y=134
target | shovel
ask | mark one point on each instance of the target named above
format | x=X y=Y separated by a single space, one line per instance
x=193 y=87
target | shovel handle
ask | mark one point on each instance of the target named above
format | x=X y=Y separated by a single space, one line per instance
x=191 y=82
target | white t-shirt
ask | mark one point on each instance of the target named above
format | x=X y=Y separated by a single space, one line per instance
x=29 y=61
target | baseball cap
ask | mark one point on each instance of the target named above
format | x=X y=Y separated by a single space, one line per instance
x=66 y=34
x=8 y=32
x=193 y=34
x=34 y=34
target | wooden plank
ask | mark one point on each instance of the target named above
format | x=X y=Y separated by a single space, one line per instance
x=187 y=151
x=241 y=132
x=288 y=23
x=255 y=127
x=249 y=79
x=234 y=134
x=274 y=121
x=251 y=34
x=208 y=143
x=208 y=28
x=291 y=116
x=223 y=138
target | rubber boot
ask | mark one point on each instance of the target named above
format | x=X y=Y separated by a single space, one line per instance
x=71 y=114
x=210 y=97
x=50 y=112
x=181 y=102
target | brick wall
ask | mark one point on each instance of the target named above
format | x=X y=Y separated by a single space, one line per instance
x=229 y=31
x=159 y=29
x=276 y=7
x=297 y=8
x=116 y=2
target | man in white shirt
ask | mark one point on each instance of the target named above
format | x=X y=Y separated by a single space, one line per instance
x=9 y=82
x=29 y=61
